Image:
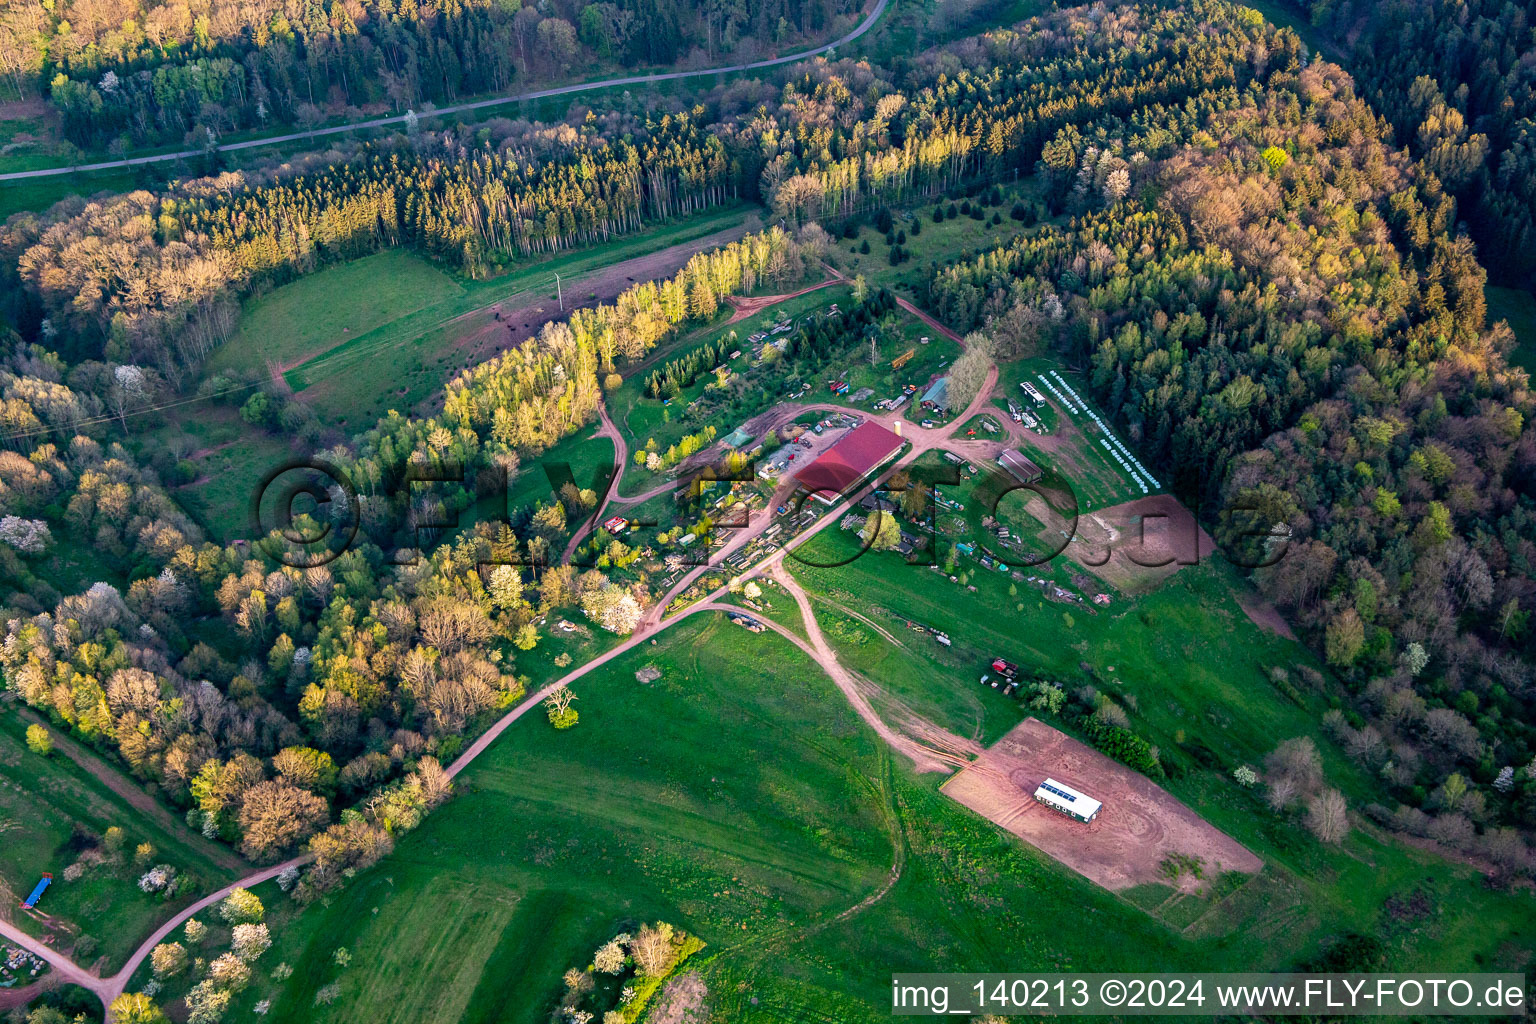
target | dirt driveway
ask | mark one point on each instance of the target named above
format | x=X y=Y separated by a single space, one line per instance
x=1141 y=823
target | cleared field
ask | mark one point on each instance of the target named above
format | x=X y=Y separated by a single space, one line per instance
x=404 y=363
x=1076 y=445
x=455 y=926
x=943 y=243
x=1141 y=824
x=229 y=458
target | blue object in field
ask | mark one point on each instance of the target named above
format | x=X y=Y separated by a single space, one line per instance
x=37 y=893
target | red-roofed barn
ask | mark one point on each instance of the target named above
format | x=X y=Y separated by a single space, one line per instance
x=849 y=460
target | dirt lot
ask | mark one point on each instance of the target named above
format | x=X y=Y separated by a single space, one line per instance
x=1140 y=825
x=1137 y=545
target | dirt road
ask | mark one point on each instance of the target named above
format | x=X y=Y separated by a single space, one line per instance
x=605 y=428
x=136 y=797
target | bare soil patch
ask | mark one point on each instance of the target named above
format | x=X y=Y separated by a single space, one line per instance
x=1137 y=545
x=516 y=318
x=682 y=1001
x=1265 y=615
x=744 y=308
x=1140 y=826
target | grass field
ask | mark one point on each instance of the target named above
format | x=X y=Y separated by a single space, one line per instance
x=229 y=457
x=1519 y=308
x=944 y=243
x=587 y=457
x=1195 y=668
x=1074 y=447
x=53 y=813
x=408 y=359
x=300 y=322
x=740 y=798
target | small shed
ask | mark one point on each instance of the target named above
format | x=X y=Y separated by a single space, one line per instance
x=937 y=395
x=1060 y=797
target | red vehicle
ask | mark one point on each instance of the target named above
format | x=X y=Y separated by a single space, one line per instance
x=1007 y=668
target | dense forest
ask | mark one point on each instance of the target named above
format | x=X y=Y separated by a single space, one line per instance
x=1280 y=309
x=1276 y=304
x=148 y=72
x=1457 y=82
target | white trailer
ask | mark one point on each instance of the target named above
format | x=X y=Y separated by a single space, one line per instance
x=1060 y=797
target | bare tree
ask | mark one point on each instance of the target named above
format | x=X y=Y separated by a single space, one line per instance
x=1328 y=816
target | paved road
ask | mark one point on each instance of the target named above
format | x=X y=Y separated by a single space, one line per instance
x=458 y=108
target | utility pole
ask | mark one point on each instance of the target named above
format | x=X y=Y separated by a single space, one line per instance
x=558 y=293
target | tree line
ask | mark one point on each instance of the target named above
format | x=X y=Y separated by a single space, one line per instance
x=146 y=73
x=1454 y=80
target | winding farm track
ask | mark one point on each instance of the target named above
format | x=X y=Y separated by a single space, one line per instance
x=459 y=108
x=932 y=749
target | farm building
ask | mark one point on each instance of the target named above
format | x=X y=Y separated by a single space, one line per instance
x=937 y=395
x=1059 y=796
x=1020 y=468
x=848 y=461
x=615 y=525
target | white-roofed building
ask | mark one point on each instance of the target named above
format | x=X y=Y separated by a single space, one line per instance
x=1059 y=796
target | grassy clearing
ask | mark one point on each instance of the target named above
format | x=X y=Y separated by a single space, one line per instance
x=740 y=798
x=1075 y=449
x=228 y=459
x=41 y=193
x=944 y=243
x=1519 y=308
x=303 y=320
x=407 y=360
x=53 y=813
x=1194 y=670
x=587 y=457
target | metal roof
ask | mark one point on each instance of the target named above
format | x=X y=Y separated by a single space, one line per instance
x=1064 y=797
x=938 y=392
x=849 y=459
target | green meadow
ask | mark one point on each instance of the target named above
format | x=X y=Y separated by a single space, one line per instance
x=1519 y=308
x=740 y=798
x=54 y=812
